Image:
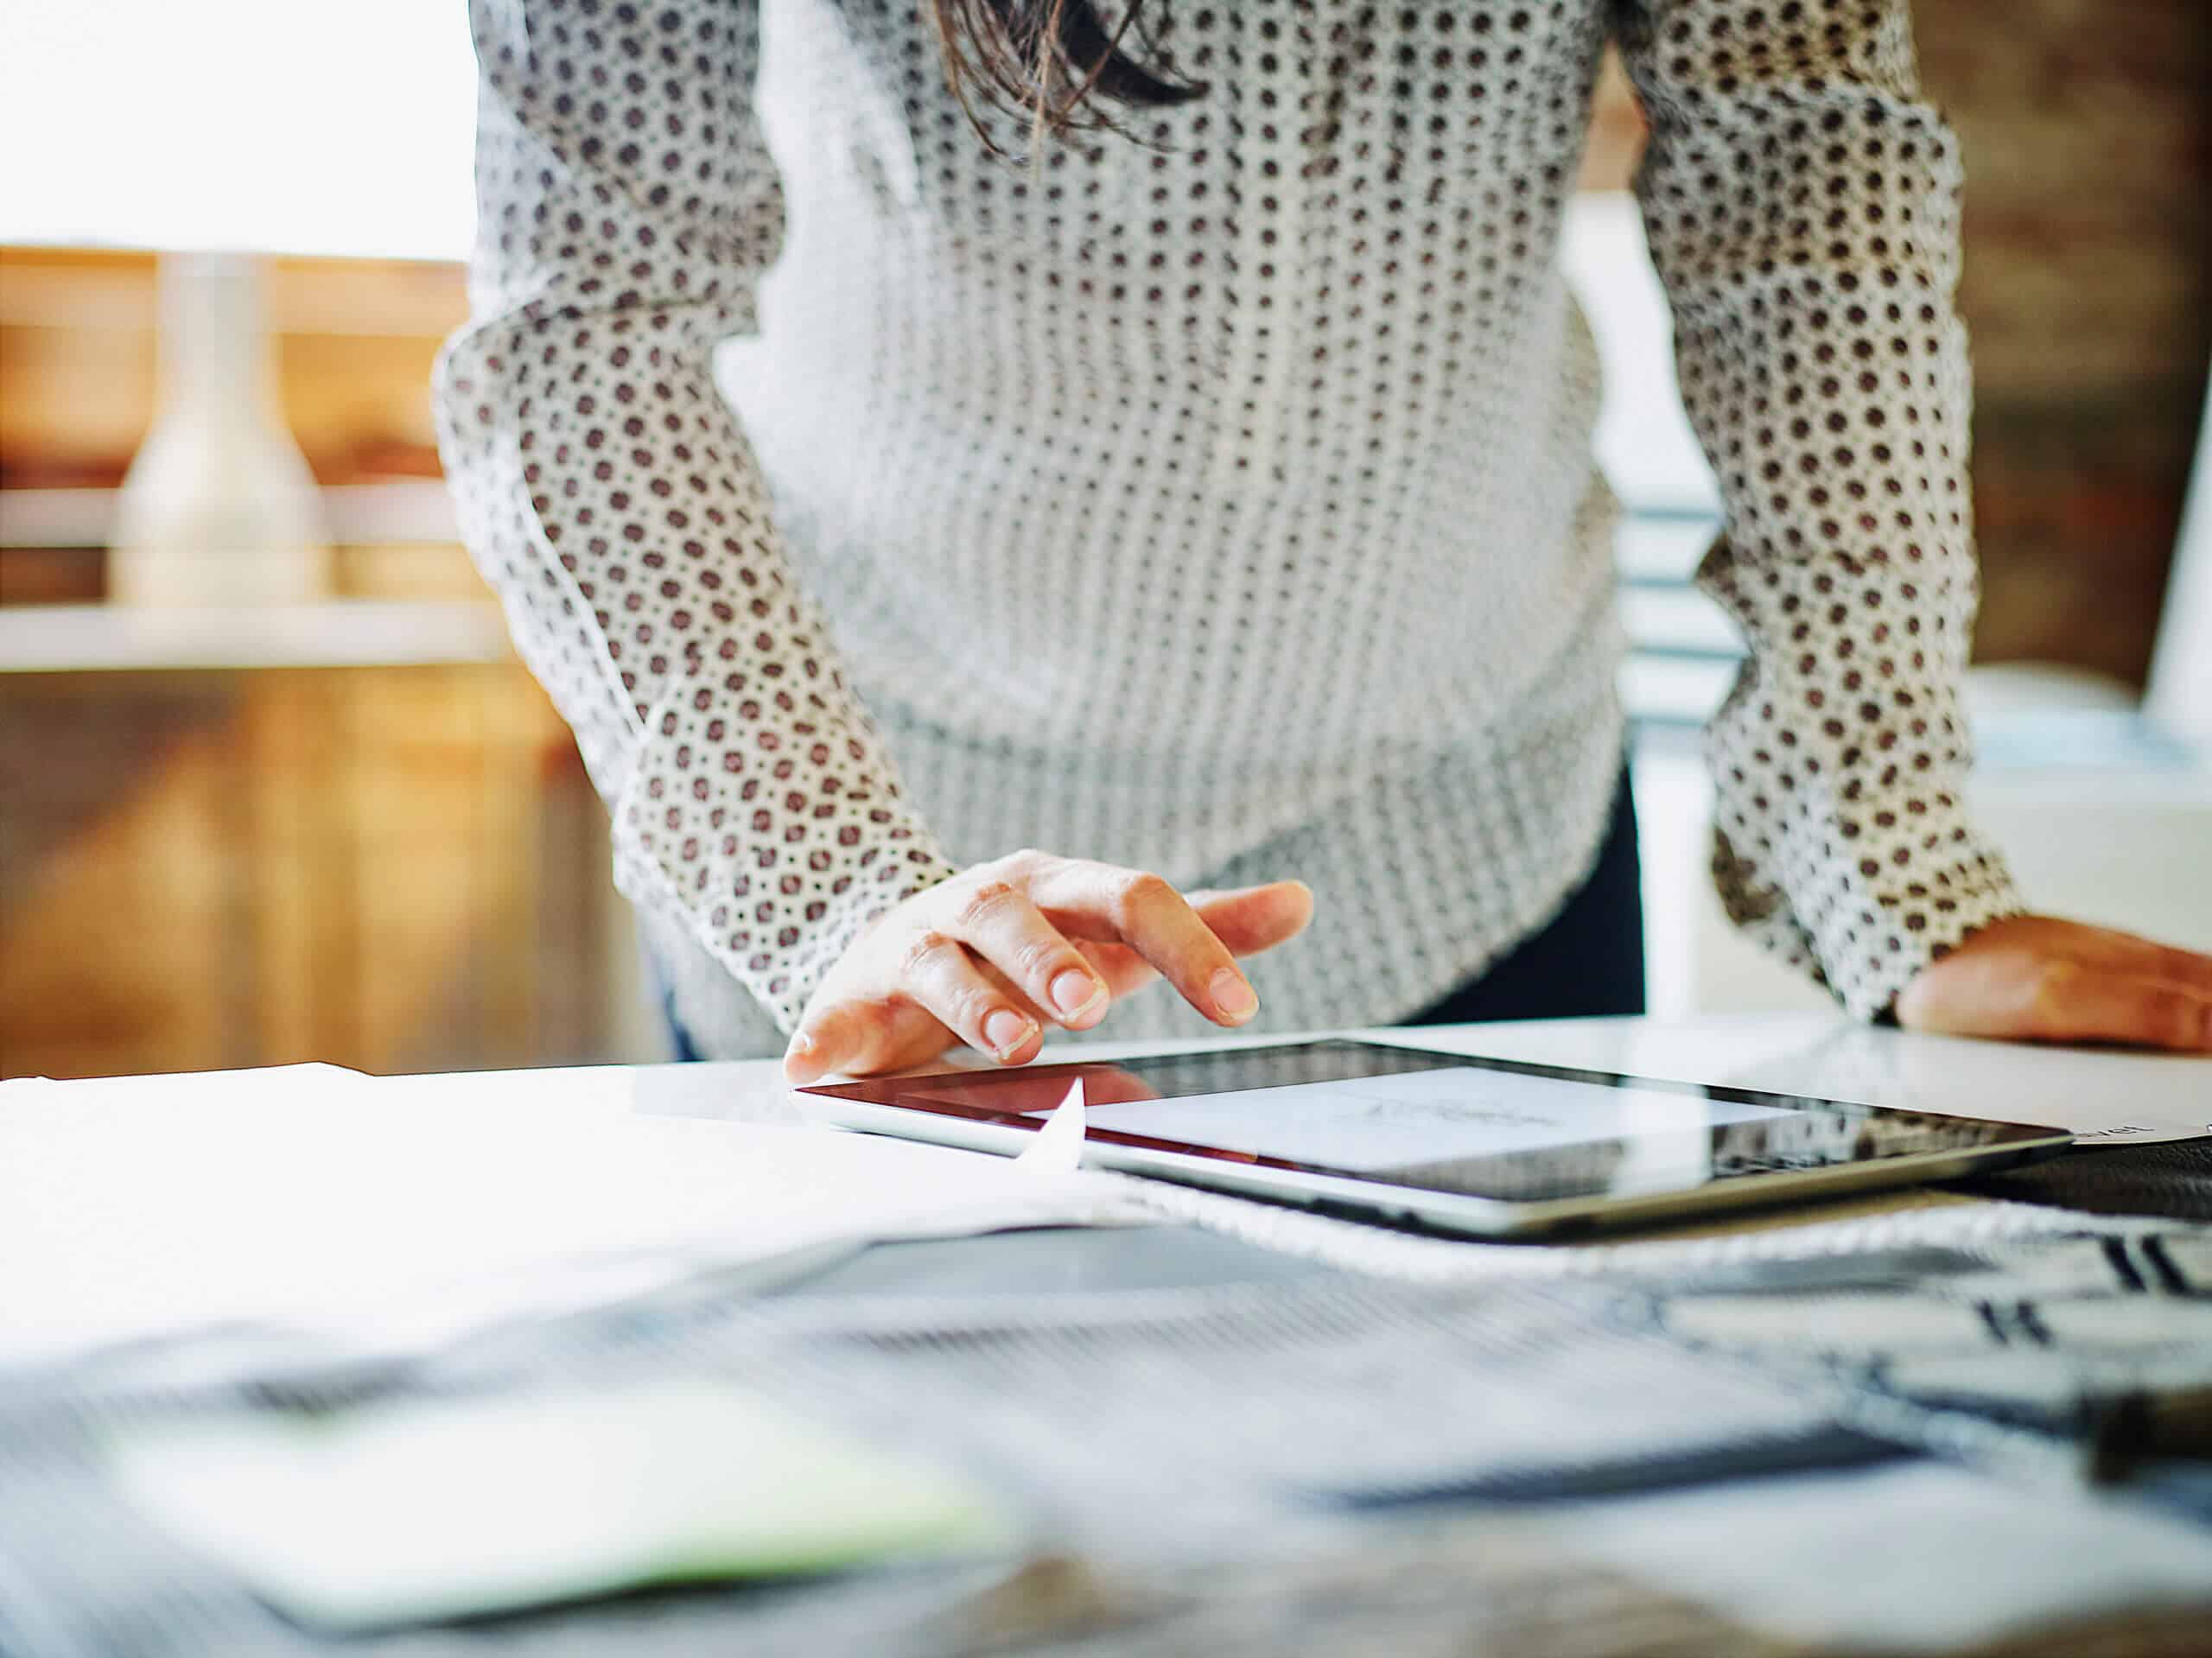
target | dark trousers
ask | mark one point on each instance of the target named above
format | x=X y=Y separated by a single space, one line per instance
x=1587 y=960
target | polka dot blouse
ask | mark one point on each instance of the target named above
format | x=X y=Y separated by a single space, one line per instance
x=1215 y=498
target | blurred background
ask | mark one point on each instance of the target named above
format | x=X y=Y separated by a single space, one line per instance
x=321 y=813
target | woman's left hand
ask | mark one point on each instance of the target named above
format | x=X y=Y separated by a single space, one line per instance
x=2034 y=979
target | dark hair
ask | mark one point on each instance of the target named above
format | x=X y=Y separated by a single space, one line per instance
x=1050 y=59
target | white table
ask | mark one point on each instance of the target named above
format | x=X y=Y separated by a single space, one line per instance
x=164 y=1199
x=1819 y=1054
x=161 y=1177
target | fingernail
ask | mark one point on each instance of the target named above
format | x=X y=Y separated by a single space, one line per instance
x=1233 y=996
x=1075 y=993
x=1007 y=1030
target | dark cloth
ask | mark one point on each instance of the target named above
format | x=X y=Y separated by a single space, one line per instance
x=1586 y=961
x=2171 y=1181
x=682 y=1048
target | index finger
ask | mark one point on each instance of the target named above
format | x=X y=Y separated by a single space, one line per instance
x=2132 y=954
x=2178 y=966
x=1106 y=904
x=2074 y=1003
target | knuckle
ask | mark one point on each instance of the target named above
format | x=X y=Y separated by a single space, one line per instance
x=1039 y=959
x=2186 y=968
x=1143 y=890
x=986 y=902
x=2055 y=992
x=2171 y=1018
x=1018 y=866
x=926 y=948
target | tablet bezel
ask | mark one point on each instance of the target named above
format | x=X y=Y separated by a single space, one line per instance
x=888 y=1105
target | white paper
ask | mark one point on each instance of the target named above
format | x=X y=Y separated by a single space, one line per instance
x=1057 y=1148
x=393 y=1209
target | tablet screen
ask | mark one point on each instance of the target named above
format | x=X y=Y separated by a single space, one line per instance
x=1440 y=1123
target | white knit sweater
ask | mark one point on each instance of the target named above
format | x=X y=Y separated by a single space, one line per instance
x=1222 y=503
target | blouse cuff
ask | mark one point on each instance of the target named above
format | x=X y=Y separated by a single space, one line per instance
x=1903 y=886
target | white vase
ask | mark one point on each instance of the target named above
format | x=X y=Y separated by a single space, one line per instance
x=219 y=507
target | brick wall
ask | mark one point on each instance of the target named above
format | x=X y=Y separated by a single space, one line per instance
x=2087 y=127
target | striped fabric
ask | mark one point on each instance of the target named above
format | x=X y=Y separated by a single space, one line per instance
x=1175 y=1441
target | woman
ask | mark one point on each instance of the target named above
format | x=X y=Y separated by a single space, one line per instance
x=1206 y=498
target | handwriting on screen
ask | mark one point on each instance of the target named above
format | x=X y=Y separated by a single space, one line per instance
x=1379 y=1122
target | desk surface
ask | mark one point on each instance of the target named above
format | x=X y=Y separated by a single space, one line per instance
x=103 y=1174
x=1813 y=1054
x=1763 y=1551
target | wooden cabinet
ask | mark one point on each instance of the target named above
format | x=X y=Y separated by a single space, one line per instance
x=397 y=868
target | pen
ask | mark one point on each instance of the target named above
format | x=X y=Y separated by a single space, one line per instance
x=2140 y=1427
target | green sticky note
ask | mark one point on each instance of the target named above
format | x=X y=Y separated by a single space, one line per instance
x=418 y=1511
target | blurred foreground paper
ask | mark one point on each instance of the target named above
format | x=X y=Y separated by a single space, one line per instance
x=422 y=1511
x=393 y=1210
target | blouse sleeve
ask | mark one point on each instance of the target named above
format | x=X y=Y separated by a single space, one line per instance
x=626 y=208
x=1801 y=207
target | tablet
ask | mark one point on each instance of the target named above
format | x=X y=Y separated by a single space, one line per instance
x=1491 y=1148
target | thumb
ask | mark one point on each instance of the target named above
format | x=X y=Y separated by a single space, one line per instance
x=861 y=1038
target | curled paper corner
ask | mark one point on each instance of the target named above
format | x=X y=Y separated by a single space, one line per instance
x=1057 y=1148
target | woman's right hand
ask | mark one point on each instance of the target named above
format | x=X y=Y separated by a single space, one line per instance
x=988 y=956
